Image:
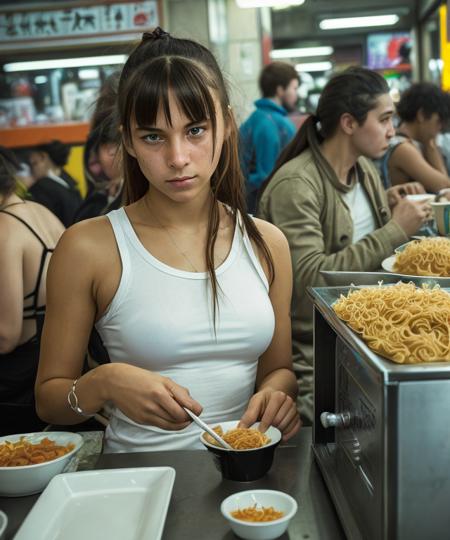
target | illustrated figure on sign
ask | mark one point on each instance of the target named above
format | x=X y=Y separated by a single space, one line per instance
x=89 y=20
x=118 y=18
x=40 y=25
x=11 y=29
x=53 y=26
x=24 y=25
x=77 y=21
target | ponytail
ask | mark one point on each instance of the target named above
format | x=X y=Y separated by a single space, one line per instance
x=354 y=91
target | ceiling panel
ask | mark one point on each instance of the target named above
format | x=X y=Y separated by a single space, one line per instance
x=300 y=24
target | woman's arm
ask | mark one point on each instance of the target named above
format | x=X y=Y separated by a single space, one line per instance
x=11 y=280
x=408 y=162
x=295 y=207
x=274 y=402
x=434 y=156
x=84 y=253
x=70 y=314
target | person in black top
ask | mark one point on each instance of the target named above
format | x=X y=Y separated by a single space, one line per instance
x=28 y=235
x=54 y=187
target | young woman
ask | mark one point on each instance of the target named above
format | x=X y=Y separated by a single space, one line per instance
x=28 y=234
x=190 y=296
x=330 y=203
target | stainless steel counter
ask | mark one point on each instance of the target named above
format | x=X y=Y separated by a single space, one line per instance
x=385 y=450
x=194 y=511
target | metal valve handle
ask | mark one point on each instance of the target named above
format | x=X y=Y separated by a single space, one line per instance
x=336 y=420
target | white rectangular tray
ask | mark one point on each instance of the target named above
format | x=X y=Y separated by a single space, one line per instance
x=115 y=504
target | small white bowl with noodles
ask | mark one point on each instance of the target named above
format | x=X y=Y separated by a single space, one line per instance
x=28 y=461
x=259 y=514
x=252 y=454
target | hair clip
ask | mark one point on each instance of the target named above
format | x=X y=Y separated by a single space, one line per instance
x=157 y=33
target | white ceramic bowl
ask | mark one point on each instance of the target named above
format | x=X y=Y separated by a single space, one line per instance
x=266 y=530
x=30 y=479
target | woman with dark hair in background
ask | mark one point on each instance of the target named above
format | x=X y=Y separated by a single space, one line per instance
x=28 y=234
x=328 y=199
x=102 y=163
x=54 y=187
x=189 y=294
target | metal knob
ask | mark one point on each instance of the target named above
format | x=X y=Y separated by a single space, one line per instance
x=336 y=420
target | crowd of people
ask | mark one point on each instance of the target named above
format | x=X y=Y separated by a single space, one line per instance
x=181 y=279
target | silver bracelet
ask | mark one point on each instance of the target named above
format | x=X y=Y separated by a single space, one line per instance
x=72 y=400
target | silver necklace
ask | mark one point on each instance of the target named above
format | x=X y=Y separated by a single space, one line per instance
x=172 y=239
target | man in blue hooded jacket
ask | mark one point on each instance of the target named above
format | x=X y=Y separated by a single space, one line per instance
x=268 y=129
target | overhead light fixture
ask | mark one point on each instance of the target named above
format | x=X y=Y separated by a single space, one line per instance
x=303 y=52
x=314 y=66
x=36 y=65
x=89 y=73
x=435 y=64
x=358 y=22
x=268 y=3
x=40 y=79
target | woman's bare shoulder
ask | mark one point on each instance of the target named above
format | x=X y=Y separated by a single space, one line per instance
x=44 y=213
x=406 y=150
x=270 y=232
x=91 y=237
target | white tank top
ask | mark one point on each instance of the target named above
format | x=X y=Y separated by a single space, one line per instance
x=161 y=319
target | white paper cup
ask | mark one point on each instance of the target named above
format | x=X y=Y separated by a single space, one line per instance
x=441 y=212
x=421 y=197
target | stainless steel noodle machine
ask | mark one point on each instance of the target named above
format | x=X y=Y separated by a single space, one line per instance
x=381 y=434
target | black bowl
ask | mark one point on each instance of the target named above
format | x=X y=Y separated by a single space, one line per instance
x=244 y=465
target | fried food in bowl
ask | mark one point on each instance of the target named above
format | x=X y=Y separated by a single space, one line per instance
x=252 y=454
x=28 y=461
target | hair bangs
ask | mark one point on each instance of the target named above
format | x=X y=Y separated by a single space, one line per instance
x=182 y=78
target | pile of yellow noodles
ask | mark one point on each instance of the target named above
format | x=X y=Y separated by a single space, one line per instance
x=426 y=257
x=401 y=322
x=251 y=513
x=22 y=452
x=240 y=438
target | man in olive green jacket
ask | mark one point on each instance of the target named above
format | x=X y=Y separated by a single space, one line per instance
x=304 y=200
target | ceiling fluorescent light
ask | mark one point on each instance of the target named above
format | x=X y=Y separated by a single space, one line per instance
x=358 y=22
x=89 y=73
x=304 y=52
x=314 y=66
x=42 y=79
x=36 y=65
x=268 y=3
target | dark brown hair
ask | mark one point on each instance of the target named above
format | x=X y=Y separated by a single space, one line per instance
x=57 y=151
x=426 y=97
x=104 y=122
x=161 y=63
x=9 y=167
x=274 y=75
